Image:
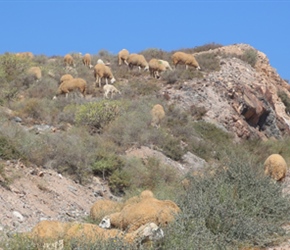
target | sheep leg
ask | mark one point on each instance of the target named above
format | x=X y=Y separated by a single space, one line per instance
x=106 y=81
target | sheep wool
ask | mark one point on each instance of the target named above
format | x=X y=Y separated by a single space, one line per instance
x=103 y=207
x=123 y=56
x=87 y=60
x=137 y=60
x=71 y=85
x=65 y=77
x=157 y=115
x=102 y=71
x=276 y=167
x=184 y=58
x=68 y=60
x=35 y=72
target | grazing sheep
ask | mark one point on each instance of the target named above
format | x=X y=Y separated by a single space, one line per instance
x=100 y=61
x=123 y=56
x=25 y=55
x=157 y=115
x=103 y=71
x=87 y=60
x=68 y=60
x=276 y=167
x=49 y=230
x=71 y=85
x=110 y=89
x=64 y=232
x=184 y=58
x=156 y=67
x=137 y=60
x=65 y=77
x=166 y=64
x=35 y=72
x=91 y=233
x=102 y=207
x=132 y=216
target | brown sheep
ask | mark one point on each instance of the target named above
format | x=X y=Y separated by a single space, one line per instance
x=156 y=67
x=68 y=60
x=25 y=55
x=71 y=85
x=123 y=56
x=65 y=77
x=64 y=232
x=137 y=60
x=102 y=207
x=87 y=60
x=184 y=58
x=276 y=167
x=132 y=216
x=157 y=115
x=103 y=71
x=35 y=72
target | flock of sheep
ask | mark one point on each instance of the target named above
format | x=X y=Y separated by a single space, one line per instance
x=102 y=71
x=135 y=221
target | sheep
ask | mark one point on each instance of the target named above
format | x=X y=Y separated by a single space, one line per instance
x=137 y=60
x=87 y=60
x=68 y=60
x=25 y=55
x=103 y=71
x=65 y=77
x=132 y=216
x=64 y=232
x=123 y=56
x=157 y=115
x=276 y=167
x=166 y=64
x=51 y=230
x=110 y=89
x=156 y=67
x=102 y=207
x=184 y=58
x=35 y=72
x=70 y=85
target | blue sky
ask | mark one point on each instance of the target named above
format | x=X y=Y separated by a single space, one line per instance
x=59 y=27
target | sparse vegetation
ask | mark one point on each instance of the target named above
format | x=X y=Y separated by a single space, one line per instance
x=229 y=206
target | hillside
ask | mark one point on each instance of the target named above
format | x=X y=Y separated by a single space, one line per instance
x=59 y=156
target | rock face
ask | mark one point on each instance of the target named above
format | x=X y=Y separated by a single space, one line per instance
x=242 y=98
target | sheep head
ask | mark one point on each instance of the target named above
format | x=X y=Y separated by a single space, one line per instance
x=113 y=80
x=105 y=223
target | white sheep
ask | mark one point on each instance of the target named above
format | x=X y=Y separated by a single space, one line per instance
x=134 y=215
x=87 y=60
x=71 y=85
x=103 y=71
x=166 y=64
x=184 y=58
x=123 y=56
x=110 y=89
x=68 y=60
x=137 y=60
x=157 y=115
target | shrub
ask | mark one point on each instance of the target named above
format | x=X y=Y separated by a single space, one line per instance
x=285 y=99
x=236 y=206
x=208 y=62
x=8 y=150
x=250 y=56
x=97 y=114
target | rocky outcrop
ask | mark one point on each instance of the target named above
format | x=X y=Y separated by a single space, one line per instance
x=242 y=98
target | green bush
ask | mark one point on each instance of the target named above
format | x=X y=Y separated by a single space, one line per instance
x=236 y=206
x=97 y=114
x=250 y=56
x=8 y=150
x=285 y=99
